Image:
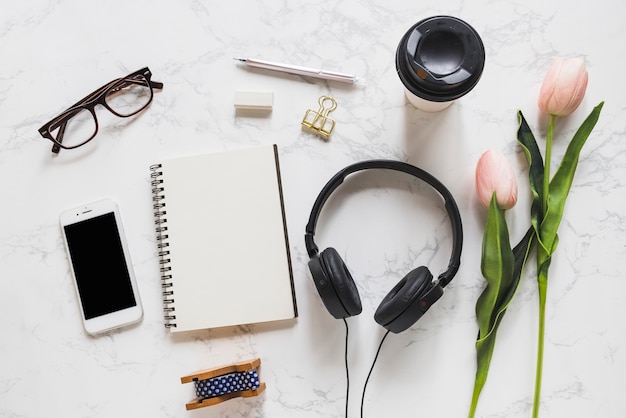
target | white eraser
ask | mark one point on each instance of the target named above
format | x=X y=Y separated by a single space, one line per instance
x=254 y=100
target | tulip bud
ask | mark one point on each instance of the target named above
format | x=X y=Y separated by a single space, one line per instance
x=495 y=174
x=564 y=87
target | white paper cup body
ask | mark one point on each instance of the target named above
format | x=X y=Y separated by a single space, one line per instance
x=426 y=105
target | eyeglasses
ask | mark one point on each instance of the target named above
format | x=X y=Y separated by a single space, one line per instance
x=123 y=97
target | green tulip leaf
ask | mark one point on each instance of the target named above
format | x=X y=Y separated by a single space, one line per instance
x=496 y=265
x=561 y=183
x=535 y=169
x=502 y=267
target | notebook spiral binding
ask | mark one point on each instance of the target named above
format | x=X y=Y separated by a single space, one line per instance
x=160 y=222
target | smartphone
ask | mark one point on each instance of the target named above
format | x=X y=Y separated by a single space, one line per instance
x=101 y=267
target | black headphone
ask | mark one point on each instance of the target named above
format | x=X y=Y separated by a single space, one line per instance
x=411 y=297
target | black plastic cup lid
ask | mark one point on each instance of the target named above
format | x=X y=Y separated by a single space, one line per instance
x=440 y=58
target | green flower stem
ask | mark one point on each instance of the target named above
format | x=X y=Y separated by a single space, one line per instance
x=543 y=259
x=543 y=262
x=543 y=287
x=546 y=167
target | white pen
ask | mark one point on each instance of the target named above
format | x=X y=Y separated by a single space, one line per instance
x=295 y=69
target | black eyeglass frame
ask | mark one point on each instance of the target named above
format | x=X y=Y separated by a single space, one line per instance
x=89 y=102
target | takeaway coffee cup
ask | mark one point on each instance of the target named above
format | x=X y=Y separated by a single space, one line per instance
x=438 y=60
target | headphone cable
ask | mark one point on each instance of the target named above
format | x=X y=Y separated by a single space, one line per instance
x=372 y=369
x=347 y=372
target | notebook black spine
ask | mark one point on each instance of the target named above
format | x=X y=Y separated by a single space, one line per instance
x=160 y=223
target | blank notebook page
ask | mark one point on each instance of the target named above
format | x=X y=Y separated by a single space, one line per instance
x=229 y=253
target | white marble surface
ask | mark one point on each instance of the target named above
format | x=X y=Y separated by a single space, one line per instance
x=55 y=52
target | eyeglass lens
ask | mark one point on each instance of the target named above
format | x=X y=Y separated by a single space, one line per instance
x=77 y=128
x=129 y=96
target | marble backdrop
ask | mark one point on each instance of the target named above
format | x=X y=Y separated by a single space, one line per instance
x=54 y=52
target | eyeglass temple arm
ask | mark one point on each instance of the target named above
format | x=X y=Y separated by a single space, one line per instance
x=89 y=97
x=154 y=84
x=56 y=147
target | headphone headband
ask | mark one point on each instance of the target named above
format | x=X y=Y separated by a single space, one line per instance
x=450 y=205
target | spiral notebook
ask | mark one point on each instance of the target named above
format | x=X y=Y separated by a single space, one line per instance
x=222 y=239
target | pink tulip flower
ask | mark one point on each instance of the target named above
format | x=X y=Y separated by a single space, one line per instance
x=495 y=174
x=564 y=87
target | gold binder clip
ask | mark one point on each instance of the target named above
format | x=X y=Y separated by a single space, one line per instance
x=319 y=121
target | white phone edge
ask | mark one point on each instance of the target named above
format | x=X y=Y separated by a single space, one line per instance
x=118 y=319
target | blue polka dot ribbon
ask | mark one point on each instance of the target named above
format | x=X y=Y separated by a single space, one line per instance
x=228 y=383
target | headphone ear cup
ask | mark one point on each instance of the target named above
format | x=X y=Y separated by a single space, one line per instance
x=401 y=307
x=347 y=294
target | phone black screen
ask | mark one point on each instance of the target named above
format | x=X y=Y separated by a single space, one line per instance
x=99 y=266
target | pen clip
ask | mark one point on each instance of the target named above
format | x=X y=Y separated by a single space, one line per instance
x=335 y=76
